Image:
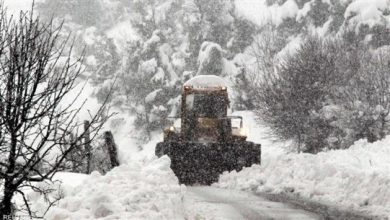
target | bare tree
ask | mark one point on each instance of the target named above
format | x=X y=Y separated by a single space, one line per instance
x=37 y=71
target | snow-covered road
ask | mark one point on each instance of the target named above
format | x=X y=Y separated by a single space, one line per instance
x=211 y=203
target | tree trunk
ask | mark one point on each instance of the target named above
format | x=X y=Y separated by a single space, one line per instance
x=87 y=145
x=111 y=147
x=299 y=143
x=6 y=203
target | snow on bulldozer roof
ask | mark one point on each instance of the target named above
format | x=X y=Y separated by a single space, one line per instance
x=206 y=81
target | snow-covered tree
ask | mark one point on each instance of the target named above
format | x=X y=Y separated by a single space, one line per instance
x=361 y=107
x=207 y=21
x=154 y=62
x=289 y=99
x=90 y=21
x=328 y=94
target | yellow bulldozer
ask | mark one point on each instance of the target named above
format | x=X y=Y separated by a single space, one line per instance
x=206 y=144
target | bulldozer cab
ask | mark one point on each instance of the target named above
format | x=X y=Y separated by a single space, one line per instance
x=204 y=112
x=204 y=108
x=206 y=104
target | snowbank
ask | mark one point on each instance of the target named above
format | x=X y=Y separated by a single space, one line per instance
x=357 y=178
x=138 y=190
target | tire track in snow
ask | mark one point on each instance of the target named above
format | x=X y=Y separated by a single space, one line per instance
x=211 y=203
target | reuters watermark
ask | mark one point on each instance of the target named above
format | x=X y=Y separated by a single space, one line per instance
x=15 y=217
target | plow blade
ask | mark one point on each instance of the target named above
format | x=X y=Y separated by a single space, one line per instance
x=202 y=163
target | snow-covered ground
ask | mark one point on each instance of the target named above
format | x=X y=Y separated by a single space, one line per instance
x=355 y=179
x=139 y=190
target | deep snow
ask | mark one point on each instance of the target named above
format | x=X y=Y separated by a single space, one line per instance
x=140 y=190
x=357 y=178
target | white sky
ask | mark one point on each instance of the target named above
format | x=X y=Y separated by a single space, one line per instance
x=14 y=6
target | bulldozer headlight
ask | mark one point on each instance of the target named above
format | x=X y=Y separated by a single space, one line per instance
x=243 y=132
x=172 y=128
x=223 y=88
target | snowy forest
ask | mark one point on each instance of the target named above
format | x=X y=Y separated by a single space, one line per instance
x=309 y=77
x=314 y=71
